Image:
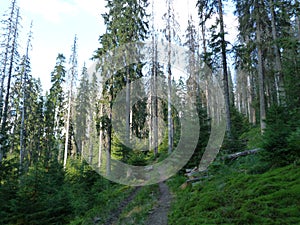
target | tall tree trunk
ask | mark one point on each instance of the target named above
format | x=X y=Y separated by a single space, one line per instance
x=100 y=138
x=73 y=60
x=6 y=55
x=127 y=110
x=170 y=122
x=225 y=72
x=260 y=70
x=22 y=128
x=91 y=135
x=6 y=102
x=24 y=79
x=207 y=91
x=68 y=126
x=251 y=100
x=153 y=97
x=298 y=27
x=109 y=135
x=278 y=65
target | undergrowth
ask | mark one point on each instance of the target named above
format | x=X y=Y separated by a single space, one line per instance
x=137 y=211
x=239 y=198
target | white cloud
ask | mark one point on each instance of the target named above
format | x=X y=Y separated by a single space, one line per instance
x=92 y=7
x=51 y=10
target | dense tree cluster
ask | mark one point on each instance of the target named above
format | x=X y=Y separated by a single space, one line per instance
x=44 y=138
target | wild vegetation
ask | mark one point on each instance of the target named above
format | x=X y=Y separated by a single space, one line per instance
x=52 y=143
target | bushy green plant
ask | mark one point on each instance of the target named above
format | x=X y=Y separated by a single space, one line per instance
x=279 y=137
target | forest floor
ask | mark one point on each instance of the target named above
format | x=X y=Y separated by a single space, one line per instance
x=116 y=214
x=159 y=215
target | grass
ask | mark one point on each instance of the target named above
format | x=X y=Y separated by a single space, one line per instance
x=138 y=210
x=233 y=197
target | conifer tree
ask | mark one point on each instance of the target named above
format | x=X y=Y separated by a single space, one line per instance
x=54 y=111
x=72 y=76
x=82 y=107
x=218 y=44
x=125 y=23
x=25 y=79
x=10 y=59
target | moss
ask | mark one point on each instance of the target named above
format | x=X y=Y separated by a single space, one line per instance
x=269 y=198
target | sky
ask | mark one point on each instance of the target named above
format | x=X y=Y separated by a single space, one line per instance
x=55 y=23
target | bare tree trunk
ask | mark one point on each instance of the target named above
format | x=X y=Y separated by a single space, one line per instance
x=22 y=128
x=100 y=139
x=91 y=135
x=260 y=72
x=68 y=126
x=170 y=122
x=127 y=111
x=251 y=100
x=6 y=55
x=206 y=75
x=109 y=138
x=278 y=65
x=5 y=110
x=298 y=27
x=225 y=72
x=153 y=97
x=24 y=80
x=73 y=60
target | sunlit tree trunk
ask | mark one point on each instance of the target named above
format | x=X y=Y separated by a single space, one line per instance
x=8 y=87
x=73 y=61
x=10 y=32
x=127 y=110
x=100 y=138
x=260 y=69
x=225 y=71
x=23 y=112
x=278 y=67
x=170 y=120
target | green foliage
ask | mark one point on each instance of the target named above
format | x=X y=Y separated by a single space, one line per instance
x=253 y=138
x=235 y=198
x=239 y=126
x=138 y=158
x=280 y=137
x=137 y=211
x=38 y=198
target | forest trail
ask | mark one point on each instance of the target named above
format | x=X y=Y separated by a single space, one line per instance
x=116 y=214
x=159 y=215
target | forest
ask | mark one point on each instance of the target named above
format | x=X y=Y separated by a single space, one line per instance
x=170 y=125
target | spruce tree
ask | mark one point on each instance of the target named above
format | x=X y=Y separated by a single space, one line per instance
x=125 y=23
x=9 y=61
x=54 y=111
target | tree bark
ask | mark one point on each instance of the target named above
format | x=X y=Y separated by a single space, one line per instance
x=6 y=102
x=6 y=55
x=24 y=79
x=100 y=139
x=278 y=66
x=128 y=90
x=170 y=122
x=244 y=153
x=225 y=71
x=73 y=74
x=260 y=70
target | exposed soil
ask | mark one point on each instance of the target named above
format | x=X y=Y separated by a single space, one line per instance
x=159 y=215
x=116 y=214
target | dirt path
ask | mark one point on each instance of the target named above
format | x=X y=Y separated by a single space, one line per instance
x=160 y=214
x=116 y=214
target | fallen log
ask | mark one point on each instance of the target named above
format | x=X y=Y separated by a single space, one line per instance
x=195 y=176
x=238 y=154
